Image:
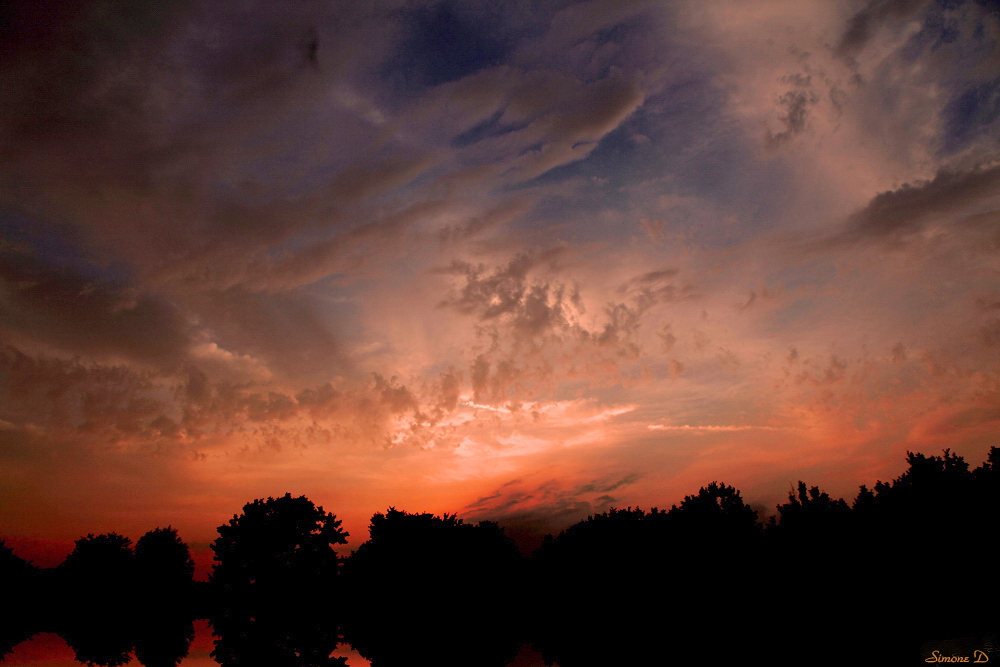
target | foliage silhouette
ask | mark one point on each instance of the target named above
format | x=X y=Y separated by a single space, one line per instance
x=163 y=641
x=277 y=548
x=163 y=564
x=97 y=642
x=17 y=578
x=419 y=573
x=811 y=510
x=686 y=565
x=99 y=573
x=281 y=636
x=13 y=568
x=909 y=562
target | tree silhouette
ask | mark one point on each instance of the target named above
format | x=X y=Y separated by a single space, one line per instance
x=419 y=573
x=163 y=565
x=17 y=578
x=678 y=573
x=16 y=574
x=279 y=547
x=100 y=641
x=718 y=512
x=99 y=572
x=163 y=641
x=427 y=554
x=105 y=554
x=812 y=509
x=275 y=637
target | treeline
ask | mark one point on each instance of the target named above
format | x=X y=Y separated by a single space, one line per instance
x=880 y=579
x=105 y=569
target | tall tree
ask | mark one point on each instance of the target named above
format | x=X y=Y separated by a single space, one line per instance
x=278 y=547
x=163 y=564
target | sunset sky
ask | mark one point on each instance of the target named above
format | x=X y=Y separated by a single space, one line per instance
x=520 y=261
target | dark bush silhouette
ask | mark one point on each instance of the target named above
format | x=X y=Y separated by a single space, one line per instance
x=277 y=548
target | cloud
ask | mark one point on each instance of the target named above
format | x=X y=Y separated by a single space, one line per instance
x=79 y=314
x=710 y=428
x=795 y=103
x=532 y=308
x=527 y=515
x=864 y=25
x=956 y=199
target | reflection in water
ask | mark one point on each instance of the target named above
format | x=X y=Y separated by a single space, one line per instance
x=49 y=649
x=592 y=645
x=153 y=644
x=275 y=637
x=161 y=645
x=43 y=648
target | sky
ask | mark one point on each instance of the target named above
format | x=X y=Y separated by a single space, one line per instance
x=519 y=261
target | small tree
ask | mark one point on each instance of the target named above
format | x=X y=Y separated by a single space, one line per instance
x=277 y=547
x=814 y=511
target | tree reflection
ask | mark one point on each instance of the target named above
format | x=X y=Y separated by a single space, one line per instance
x=275 y=637
x=99 y=642
x=11 y=635
x=163 y=641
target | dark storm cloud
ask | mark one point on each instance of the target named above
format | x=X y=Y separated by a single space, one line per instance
x=78 y=398
x=82 y=314
x=605 y=487
x=73 y=405
x=139 y=118
x=552 y=499
x=965 y=201
x=287 y=332
x=528 y=515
